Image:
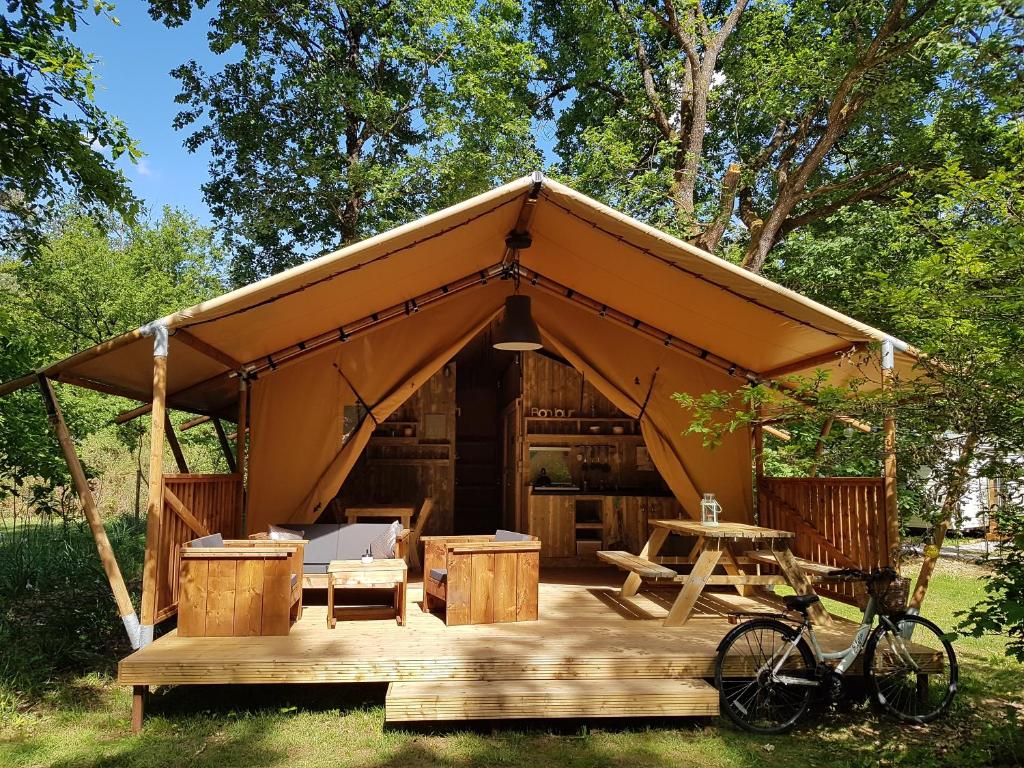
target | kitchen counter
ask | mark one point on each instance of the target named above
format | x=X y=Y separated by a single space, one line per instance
x=555 y=491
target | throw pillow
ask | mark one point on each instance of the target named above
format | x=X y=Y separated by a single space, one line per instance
x=383 y=546
x=277 y=533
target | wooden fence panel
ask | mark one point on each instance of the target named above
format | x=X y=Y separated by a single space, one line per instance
x=838 y=521
x=210 y=502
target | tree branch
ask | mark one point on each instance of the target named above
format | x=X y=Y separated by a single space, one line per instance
x=874 y=192
x=660 y=118
x=712 y=234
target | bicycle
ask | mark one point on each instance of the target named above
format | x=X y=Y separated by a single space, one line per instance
x=767 y=670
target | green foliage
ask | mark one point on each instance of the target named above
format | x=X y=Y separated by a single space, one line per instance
x=55 y=605
x=90 y=280
x=943 y=270
x=55 y=143
x=1001 y=611
x=340 y=120
x=821 y=106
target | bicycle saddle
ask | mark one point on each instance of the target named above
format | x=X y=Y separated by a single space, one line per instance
x=800 y=603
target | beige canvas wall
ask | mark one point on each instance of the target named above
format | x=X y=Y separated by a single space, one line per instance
x=299 y=458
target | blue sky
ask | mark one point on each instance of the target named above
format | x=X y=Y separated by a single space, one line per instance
x=133 y=65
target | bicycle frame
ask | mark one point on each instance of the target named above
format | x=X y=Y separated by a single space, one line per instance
x=845 y=657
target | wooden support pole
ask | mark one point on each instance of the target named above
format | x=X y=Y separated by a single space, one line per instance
x=15 y=384
x=225 y=447
x=156 y=482
x=240 y=450
x=194 y=342
x=892 y=511
x=172 y=440
x=139 y=695
x=781 y=434
x=191 y=423
x=125 y=608
x=758 y=447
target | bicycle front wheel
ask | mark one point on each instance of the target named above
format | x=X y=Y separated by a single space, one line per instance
x=751 y=694
x=911 y=668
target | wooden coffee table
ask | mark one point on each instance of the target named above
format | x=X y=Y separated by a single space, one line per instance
x=355 y=574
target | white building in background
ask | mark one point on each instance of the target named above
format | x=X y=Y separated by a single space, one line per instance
x=973 y=515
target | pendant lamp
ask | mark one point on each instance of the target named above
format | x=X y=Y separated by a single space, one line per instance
x=517 y=332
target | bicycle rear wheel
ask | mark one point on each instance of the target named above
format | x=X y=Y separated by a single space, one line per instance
x=750 y=694
x=911 y=668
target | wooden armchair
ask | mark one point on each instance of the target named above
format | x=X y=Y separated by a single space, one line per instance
x=482 y=579
x=239 y=587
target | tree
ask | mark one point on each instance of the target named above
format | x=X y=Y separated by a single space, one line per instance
x=342 y=119
x=55 y=143
x=778 y=114
x=943 y=270
x=89 y=281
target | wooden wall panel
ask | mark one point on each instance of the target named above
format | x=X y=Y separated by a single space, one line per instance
x=213 y=502
x=838 y=521
x=400 y=469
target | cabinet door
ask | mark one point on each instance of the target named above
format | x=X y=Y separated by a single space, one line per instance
x=553 y=521
x=632 y=513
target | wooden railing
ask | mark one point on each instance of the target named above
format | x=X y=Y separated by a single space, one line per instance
x=194 y=506
x=838 y=521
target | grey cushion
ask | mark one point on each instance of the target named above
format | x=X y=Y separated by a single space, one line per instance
x=333 y=541
x=439 y=574
x=354 y=539
x=295 y=578
x=322 y=546
x=503 y=535
x=213 y=541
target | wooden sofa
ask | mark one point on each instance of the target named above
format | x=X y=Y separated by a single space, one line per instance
x=239 y=587
x=326 y=542
x=482 y=579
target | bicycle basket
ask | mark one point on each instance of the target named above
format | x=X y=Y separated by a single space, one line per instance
x=890 y=594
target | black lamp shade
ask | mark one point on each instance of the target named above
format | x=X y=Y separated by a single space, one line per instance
x=517 y=332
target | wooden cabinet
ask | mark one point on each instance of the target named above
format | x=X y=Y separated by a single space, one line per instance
x=623 y=523
x=553 y=521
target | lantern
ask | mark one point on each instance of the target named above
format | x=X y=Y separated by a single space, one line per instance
x=709 y=509
x=518 y=332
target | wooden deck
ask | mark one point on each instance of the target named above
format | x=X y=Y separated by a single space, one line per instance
x=585 y=631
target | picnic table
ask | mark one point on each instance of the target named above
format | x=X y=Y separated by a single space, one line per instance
x=716 y=545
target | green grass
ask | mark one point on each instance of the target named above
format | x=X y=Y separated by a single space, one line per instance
x=65 y=710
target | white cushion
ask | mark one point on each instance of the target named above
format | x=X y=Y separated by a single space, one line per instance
x=383 y=546
x=278 y=533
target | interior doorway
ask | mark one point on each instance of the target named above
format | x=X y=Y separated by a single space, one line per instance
x=478 y=435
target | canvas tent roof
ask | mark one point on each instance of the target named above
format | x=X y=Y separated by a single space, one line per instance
x=578 y=243
x=640 y=313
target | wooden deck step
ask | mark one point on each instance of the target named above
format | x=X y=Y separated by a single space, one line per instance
x=501 y=699
x=641 y=566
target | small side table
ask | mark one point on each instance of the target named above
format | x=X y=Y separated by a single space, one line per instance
x=355 y=574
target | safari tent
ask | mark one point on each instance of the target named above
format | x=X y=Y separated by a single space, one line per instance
x=352 y=374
